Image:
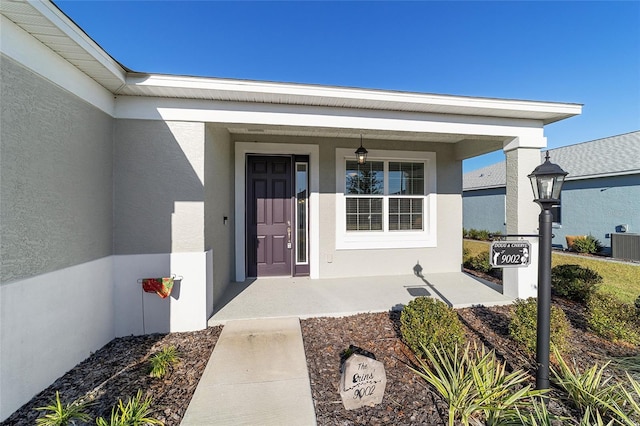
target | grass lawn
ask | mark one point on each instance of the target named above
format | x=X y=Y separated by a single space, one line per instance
x=619 y=279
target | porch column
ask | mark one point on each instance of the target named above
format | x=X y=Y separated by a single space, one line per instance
x=522 y=156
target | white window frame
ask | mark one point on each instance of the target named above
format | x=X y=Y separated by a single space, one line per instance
x=359 y=240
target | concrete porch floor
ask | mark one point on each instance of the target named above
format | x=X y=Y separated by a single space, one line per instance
x=336 y=297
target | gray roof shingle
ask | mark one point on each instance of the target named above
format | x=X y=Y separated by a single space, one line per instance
x=611 y=156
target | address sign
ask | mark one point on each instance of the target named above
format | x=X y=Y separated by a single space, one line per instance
x=510 y=254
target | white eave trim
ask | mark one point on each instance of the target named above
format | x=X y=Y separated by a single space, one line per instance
x=77 y=35
x=315 y=95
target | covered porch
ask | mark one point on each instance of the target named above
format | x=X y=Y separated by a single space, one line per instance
x=335 y=297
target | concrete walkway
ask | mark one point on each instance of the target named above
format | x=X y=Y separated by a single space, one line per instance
x=256 y=375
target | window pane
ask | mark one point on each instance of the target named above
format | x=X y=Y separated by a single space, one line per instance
x=364 y=214
x=301 y=213
x=406 y=178
x=367 y=179
x=407 y=215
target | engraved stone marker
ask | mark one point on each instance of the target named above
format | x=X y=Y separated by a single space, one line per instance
x=362 y=382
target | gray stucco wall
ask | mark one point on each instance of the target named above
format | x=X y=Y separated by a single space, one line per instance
x=158 y=182
x=55 y=176
x=484 y=209
x=598 y=206
x=219 y=203
x=446 y=257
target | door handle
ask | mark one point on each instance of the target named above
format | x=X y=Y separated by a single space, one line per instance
x=289 y=234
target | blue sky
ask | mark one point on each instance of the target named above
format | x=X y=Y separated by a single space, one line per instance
x=576 y=52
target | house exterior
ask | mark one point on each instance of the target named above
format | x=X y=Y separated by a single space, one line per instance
x=110 y=176
x=600 y=197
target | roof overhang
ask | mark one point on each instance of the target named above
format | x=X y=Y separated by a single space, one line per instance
x=48 y=24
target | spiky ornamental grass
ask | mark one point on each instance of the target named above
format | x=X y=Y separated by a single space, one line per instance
x=59 y=414
x=599 y=398
x=163 y=361
x=136 y=412
x=475 y=385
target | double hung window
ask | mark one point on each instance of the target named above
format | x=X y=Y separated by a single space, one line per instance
x=396 y=185
x=386 y=201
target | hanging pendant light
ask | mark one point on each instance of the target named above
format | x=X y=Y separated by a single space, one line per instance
x=361 y=153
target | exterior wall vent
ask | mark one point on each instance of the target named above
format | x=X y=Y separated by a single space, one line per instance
x=625 y=246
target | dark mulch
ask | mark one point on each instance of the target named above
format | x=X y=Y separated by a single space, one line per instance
x=120 y=368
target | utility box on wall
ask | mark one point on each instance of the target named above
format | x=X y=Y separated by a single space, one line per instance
x=625 y=246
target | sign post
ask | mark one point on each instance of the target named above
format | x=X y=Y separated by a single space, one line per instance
x=510 y=254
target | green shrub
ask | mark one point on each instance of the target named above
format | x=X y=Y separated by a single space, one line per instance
x=426 y=321
x=523 y=324
x=479 y=262
x=588 y=244
x=637 y=304
x=613 y=319
x=574 y=282
x=476 y=234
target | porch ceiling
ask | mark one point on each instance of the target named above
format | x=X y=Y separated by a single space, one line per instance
x=337 y=133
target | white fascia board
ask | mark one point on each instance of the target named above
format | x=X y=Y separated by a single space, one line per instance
x=135 y=107
x=71 y=30
x=287 y=89
x=20 y=46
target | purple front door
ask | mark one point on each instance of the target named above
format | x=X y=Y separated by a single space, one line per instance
x=269 y=216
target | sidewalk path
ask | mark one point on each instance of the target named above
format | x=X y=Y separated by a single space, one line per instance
x=256 y=375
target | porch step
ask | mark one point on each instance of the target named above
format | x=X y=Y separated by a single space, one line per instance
x=257 y=374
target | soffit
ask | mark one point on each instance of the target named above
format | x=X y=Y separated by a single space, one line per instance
x=244 y=91
x=45 y=22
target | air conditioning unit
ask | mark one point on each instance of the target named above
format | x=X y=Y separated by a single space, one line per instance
x=625 y=246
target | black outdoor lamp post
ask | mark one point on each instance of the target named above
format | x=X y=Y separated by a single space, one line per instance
x=546 y=181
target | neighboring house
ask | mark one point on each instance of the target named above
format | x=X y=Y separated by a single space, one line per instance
x=109 y=176
x=601 y=195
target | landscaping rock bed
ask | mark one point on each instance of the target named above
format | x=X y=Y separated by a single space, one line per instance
x=119 y=369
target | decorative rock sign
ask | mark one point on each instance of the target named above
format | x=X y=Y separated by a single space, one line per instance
x=362 y=382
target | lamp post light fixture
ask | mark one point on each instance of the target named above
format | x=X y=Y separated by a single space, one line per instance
x=546 y=181
x=361 y=153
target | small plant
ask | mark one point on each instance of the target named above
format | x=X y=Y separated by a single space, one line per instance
x=475 y=385
x=425 y=321
x=574 y=282
x=613 y=319
x=62 y=415
x=637 y=305
x=536 y=415
x=598 y=398
x=523 y=324
x=136 y=412
x=588 y=244
x=162 y=361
